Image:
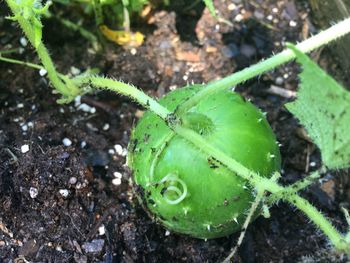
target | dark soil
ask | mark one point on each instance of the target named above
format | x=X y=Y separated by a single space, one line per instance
x=62 y=203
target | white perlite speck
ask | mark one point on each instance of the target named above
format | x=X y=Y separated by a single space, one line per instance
x=292 y=23
x=117 y=175
x=23 y=41
x=118 y=149
x=117 y=181
x=73 y=180
x=64 y=192
x=33 y=192
x=75 y=71
x=101 y=230
x=67 y=142
x=83 y=144
x=25 y=148
x=42 y=72
x=86 y=108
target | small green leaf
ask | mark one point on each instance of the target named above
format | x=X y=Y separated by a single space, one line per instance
x=211 y=7
x=323 y=107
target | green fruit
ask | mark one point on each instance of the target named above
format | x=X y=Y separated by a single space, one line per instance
x=185 y=189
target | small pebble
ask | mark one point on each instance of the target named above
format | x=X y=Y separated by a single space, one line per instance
x=25 y=148
x=20 y=105
x=94 y=246
x=111 y=151
x=279 y=81
x=64 y=192
x=73 y=180
x=167 y=233
x=231 y=7
x=105 y=127
x=42 y=72
x=248 y=50
x=312 y=164
x=67 y=142
x=230 y=51
x=33 y=192
x=259 y=15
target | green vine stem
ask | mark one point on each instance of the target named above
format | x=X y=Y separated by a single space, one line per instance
x=323 y=38
x=126 y=90
x=30 y=27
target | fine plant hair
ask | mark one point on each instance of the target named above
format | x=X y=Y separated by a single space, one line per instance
x=28 y=13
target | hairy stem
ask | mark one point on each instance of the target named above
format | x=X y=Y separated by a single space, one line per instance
x=308 y=45
x=69 y=92
x=19 y=62
x=320 y=221
x=126 y=90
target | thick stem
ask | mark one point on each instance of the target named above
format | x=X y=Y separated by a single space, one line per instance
x=308 y=45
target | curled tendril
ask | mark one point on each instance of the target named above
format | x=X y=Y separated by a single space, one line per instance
x=172 y=181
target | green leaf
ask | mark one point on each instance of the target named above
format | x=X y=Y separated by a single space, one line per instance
x=211 y=7
x=323 y=107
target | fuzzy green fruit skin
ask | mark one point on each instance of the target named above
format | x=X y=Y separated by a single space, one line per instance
x=216 y=199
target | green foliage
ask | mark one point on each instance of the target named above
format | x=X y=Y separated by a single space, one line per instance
x=31 y=10
x=323 y=107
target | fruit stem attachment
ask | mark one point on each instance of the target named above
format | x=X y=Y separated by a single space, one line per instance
x=338 y=30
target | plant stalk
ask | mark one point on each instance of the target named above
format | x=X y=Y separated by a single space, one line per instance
x=43 y=54
x=314 y=42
